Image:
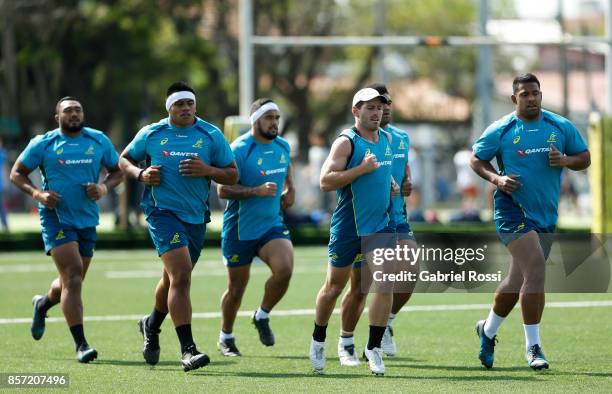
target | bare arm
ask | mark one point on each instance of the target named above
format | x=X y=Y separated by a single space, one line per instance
x=486 y=170
x=578 y=162
x=334 y=174
x=19 y=176
x=240 y=192
x=407 y=183
x=113 y=177
x=149 y=176
x=288 y=196
x=195 y=167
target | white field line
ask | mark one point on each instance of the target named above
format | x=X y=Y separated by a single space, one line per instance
x=310 y=312
x=259 y=270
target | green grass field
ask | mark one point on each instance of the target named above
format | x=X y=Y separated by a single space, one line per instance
x=437 y=349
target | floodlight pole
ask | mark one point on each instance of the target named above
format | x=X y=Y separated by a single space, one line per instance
x=484 y=80
x=608 y=106
x=246 y=67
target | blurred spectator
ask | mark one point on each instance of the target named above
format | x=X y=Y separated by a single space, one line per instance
x=317 y=153
x=413 y=201
x=3 y=187
x=467 y=183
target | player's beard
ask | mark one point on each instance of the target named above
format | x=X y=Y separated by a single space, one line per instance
x=72 y=127
x=267 y=134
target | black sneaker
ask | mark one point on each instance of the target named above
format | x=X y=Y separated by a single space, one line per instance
x=265 y=333
x=150 y=350
x=38 y=319
x=86 y=354
x=192 y=359
x=228 y=348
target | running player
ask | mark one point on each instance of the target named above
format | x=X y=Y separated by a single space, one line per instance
x=359 y=167
x=182 y=153
x=531 y=146
x=253 y=223
x=70 y=159
x=399 y=217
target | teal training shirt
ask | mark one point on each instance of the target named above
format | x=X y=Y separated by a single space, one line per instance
x=521 y=148
x=400 y=144
x=364 y=205
x=257 y=163
x=66 y=165
x=163 y=144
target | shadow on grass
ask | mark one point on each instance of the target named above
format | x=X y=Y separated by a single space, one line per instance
x=364 y=375
x=176 y=364
x=475 y=368
x=391 y=360
x=128 y=363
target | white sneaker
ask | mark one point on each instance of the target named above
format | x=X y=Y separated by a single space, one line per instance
x=347 y=355
x=375 y=360
x=317 y=355
x=388 y=344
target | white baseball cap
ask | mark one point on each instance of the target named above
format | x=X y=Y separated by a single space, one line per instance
x=367 y=94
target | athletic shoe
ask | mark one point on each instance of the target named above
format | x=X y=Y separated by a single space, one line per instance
x=347 y=355
x=228 y=347
x=536 y=358
x=487 y=345
x=86 y=354
x=317 y=355
x=38 y=319
x=375 y=360
x=192 y=359
x=388 y=344
x=265 y=333
x=150 y=350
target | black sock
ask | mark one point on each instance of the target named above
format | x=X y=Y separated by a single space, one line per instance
x=376 y=334
x=78 y=335
x=319 y=333
x=155 y=320
x=184 y=336
x=46 y=304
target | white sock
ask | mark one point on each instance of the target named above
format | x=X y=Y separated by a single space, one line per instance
x=347 y=341
x=532 y=334
x=492 y=324
x=261 y=314
x=225 y=335
x=391 y=318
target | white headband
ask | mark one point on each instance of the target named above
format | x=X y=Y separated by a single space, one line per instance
x=262 y=110
x=176 y=96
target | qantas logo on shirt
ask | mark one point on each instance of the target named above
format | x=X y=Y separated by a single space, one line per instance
x=71 y=162
x=399 y=156
x=165 y=153
x=271 y=172
x=531 y=151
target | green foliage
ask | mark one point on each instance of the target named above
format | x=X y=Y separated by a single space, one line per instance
x=118 y=57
